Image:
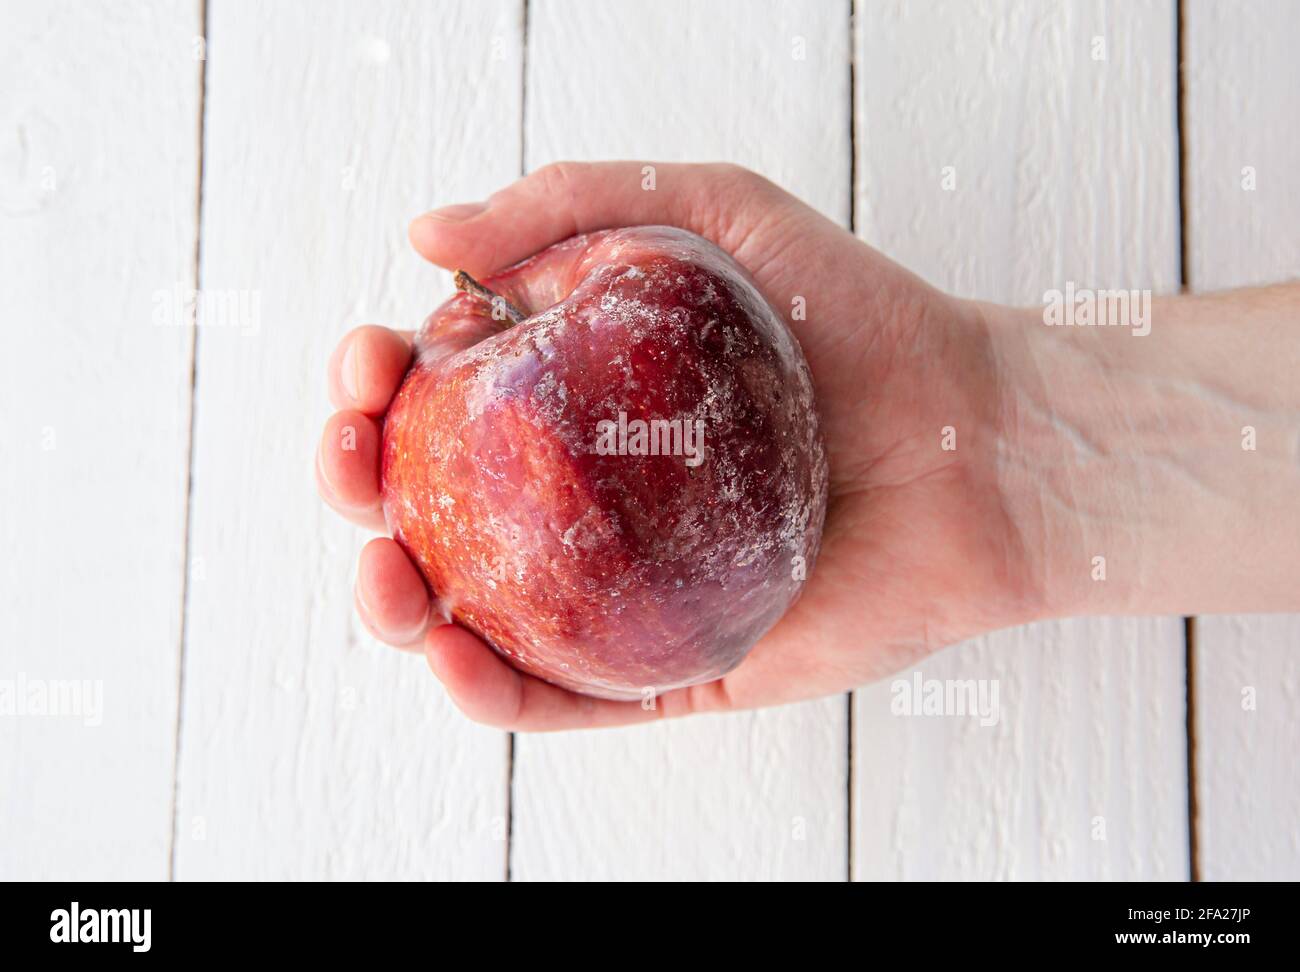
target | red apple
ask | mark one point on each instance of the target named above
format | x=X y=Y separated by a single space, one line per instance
x=606 y=462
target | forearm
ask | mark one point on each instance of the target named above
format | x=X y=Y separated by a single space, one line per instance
x=1174 y=456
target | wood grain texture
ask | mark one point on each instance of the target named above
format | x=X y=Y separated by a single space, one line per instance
x=98 y=184
x=755 y=795
x=308 y=749
x=1062 y=168
x=1242 y=81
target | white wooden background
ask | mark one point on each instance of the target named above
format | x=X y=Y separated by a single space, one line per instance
x=159 y=525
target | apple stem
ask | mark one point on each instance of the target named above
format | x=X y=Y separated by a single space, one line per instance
x=468 y=285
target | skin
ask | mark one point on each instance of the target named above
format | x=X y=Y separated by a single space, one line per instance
x=1071 y=444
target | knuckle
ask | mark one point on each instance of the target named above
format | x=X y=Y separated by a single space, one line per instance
x=735 y=187
x=557 y=178
x=733 y=171
x=732 y=175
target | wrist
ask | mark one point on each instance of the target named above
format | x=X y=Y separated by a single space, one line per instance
x=1071 y=478
x=1152 y=472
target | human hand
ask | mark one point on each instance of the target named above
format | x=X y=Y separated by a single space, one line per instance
x=918 y=550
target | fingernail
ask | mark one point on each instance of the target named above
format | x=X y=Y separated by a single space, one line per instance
x=320 y=471
x=457 y=213
x=348 y=370
x=413 y=634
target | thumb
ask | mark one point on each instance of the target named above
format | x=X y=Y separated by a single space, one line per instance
x=720 y=202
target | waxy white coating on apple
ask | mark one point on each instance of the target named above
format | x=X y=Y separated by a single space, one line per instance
x=612 y=574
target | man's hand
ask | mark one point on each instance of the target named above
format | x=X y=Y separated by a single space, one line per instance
x=919 y=548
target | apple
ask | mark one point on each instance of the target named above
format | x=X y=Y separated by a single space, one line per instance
x=606 y=461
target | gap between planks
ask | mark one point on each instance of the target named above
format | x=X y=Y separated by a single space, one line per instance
x=189 y=477
x=1185 y=286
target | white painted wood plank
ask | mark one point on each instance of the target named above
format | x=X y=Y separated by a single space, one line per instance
x=98 y=186
x=755 y=795
x=1066 y=169
x=308 y=749
x=1242 y=101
